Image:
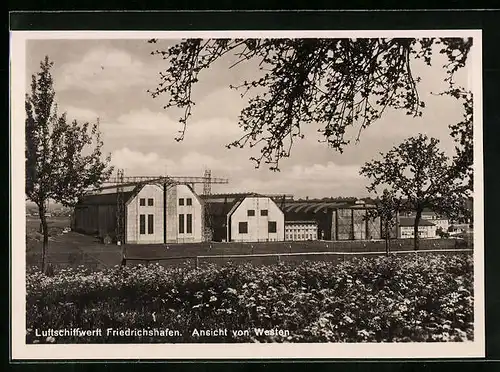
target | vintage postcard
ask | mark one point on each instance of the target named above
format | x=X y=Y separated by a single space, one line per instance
x=239 y=195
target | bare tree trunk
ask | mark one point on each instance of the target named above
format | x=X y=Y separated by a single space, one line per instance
x=415 y=230
x=45 y=232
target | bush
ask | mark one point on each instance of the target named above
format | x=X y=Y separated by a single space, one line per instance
x=383 y=299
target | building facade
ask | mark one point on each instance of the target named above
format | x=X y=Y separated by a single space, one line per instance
x=184 y=215
x=256 y=219
x=336 y=220
x=440 y=221
x=245 y=217
x=426 y=229
x=153 y=214
x=301 y=230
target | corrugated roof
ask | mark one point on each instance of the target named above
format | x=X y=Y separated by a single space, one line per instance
x=229 y=195
x=410 y=221
x=315 y=206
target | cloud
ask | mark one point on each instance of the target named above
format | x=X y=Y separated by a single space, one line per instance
x=136 y=163
x=104 y=70
x=79 y=114
x=147 y=123
x=317 y=180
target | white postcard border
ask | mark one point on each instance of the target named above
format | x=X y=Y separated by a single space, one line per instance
x=19 y=348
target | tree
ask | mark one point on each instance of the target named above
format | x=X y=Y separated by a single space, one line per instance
x=422 y=176
x=57 y=166
x=441 y=233
x=337 y=84
x=386 y=208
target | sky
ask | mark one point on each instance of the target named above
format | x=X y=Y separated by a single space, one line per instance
x=109 y=80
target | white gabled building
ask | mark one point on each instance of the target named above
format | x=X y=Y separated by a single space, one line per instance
x=144 y=216
x=184 y=215
x=256 y=219
x=152 y=215
x=246 y=217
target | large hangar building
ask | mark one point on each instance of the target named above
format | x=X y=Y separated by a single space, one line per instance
x=336 y=220
x=152 y=214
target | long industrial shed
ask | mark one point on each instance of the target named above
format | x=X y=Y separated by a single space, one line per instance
x=151 y=215
x=335 y=220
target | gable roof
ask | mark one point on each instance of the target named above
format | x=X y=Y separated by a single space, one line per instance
x=226 y=204
x=410 y=221
x=221 y=204
x=198 y=197
x=106 y=197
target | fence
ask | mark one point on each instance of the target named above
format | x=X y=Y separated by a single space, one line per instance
x=279 y=257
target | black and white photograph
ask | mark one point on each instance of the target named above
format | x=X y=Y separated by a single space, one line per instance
x=247 y=194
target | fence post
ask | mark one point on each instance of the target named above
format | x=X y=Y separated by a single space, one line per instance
x=278 y=258
x=197 y=262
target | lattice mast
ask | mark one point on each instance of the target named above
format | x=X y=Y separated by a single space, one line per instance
x=207 y=184
x=120 y=207
x=207 y=216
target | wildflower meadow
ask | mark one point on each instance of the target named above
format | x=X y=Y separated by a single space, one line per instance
x=377 y=299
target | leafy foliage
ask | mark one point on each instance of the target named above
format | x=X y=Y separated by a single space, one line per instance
x=57 y=166
x=333 y=83
x=420 y=174
x=384 y=299
x=386 y=208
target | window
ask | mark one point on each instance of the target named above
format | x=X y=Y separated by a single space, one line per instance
x=181 y=223
x=271 y=226
x=150 y=202
x=181 y=201
x=251 y=213
x=142 y=202
x=243 y=227
x=150 y=223
x=189 y=201
x=263 y=212
x=142 y=224
x=189 y=223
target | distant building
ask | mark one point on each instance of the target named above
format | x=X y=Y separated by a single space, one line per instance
x=152 y=215
x=426 y=228
x=440 y=221
x=336 y=220
x=460 y=228
x=301 y=230
x=247 y=217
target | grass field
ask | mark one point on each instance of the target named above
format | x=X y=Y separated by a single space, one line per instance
x=74 y=249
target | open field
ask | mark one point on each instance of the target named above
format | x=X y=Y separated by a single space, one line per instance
x=376 y=299
x=73 y=249
x=323 y=298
